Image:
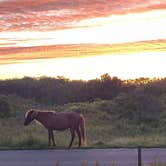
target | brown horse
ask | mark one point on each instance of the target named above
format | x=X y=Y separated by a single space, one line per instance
x=52 y=120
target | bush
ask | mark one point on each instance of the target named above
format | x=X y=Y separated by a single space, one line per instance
x=5 y=108
x=137 y=109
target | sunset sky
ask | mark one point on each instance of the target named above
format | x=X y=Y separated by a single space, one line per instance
x=82 y=39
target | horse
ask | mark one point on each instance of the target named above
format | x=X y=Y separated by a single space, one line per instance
x=60 y=121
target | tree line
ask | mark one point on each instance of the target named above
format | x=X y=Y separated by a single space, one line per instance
x=61 y=90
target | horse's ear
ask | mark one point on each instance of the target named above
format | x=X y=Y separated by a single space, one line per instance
x=34 y=114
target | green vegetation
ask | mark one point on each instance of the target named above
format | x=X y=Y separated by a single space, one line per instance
x=4 y=107
x=118 y=113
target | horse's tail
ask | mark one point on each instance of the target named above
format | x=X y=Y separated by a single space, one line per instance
x=82 y=129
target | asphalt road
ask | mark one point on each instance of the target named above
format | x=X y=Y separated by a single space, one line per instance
x=122 y=157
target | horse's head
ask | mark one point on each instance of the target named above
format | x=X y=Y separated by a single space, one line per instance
x=30 y=115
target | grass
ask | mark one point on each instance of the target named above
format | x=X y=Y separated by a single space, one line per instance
x=102 y=131
x=15 y=136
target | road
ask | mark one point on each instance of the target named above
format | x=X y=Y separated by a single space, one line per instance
x=122 y=157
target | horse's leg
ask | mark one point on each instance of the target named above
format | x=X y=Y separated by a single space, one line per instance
x=49 y=137
x=52 y=137
x=72 y=137
x=79 y=136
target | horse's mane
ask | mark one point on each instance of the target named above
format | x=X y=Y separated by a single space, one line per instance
x=37 y=110
x=27 y=113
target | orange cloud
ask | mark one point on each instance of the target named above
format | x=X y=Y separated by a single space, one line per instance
x=19 y=15
x=19 y=55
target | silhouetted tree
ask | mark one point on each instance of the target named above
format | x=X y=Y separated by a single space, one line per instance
x=61 y=90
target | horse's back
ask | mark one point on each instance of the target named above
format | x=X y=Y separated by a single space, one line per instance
x=60 y=120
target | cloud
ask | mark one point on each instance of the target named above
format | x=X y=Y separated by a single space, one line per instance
x=11 y=55
x=16 y=15
x=112 y=29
